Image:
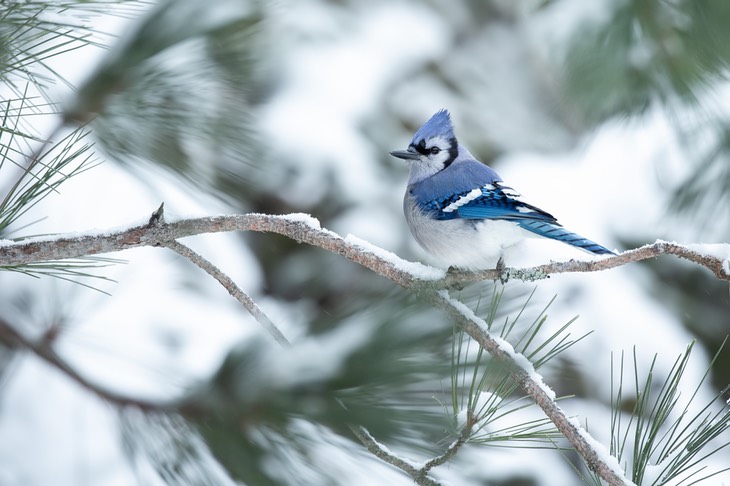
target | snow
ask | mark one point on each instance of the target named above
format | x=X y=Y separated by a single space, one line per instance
x=721 y=251
x=602 y=452
x=307 y=219
x=418 y=270
x=310 y=221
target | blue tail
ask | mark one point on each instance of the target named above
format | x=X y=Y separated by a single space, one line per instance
x=557 y=232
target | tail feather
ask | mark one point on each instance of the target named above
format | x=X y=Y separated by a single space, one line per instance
x=557 y=232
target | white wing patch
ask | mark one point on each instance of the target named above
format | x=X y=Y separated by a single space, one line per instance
x=465 y=199
x=475 y=193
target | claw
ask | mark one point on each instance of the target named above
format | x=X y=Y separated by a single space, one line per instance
x=500 y=265
x=500 y=268
x=455 y=270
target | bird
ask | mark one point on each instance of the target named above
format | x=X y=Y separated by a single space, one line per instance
x=460 y=210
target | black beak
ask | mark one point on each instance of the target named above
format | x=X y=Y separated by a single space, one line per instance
x=406 y=154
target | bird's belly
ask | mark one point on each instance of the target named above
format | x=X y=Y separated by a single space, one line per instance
x=465 y=243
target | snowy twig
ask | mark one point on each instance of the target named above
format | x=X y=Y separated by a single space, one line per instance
x=420 y=476
x=233 y=289
x=466 y=431
x=718 y=266
x=361 y=433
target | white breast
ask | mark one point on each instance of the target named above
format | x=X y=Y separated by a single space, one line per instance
x=463 y=243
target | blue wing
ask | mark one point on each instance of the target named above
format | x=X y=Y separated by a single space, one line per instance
x=496 y=201
x=491 y=201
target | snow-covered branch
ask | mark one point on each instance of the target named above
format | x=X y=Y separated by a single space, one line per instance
x=419 y=475
x=306 y=229
x=532 y=384
x=714 y=257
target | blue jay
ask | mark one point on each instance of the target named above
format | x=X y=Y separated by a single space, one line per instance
x=460 y=211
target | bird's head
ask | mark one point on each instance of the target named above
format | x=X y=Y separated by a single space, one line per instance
x=432 y=149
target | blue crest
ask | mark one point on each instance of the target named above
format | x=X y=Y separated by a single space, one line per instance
x=438 y=125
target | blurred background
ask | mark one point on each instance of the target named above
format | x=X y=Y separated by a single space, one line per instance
x=612 y=115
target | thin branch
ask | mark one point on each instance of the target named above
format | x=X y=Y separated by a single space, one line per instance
x=361 y=433
x=718 y=266
x=420 y=476
x=455 y=446
x=233 y=289
x=365 y=438
x=43 y=349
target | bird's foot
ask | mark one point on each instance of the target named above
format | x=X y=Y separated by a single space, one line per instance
x=500 y=265
x=501 y=268
x=455 y=271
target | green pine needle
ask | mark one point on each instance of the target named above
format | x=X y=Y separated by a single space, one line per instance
x=662 y=434
x=485 y=392
x=43 y=174
x=69 y=270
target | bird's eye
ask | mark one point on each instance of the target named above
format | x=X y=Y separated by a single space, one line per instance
x=435 y=150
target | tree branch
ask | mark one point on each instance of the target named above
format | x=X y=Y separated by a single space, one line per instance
x=720 y=267
x=420 y=476
x=43 y=349
x=454 y=447
x=531 y=383
x=233 y=289
x=305 y=229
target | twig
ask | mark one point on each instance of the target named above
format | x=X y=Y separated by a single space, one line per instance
x=233 y=289
x=43 y=349
x=454 y=447
x=719 y=267
x=419 y=475
x=365 y=438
